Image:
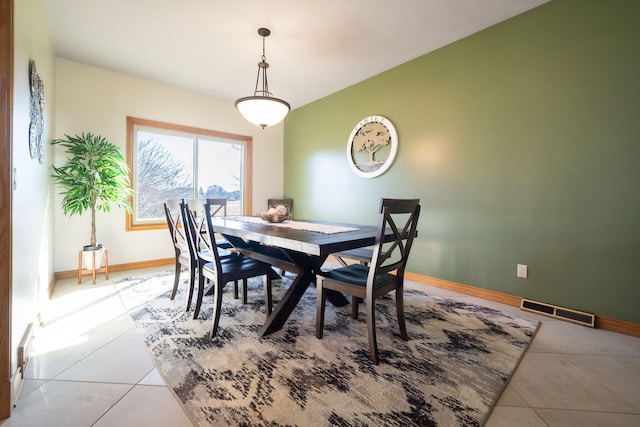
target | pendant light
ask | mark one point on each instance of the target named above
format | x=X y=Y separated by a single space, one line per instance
x=262 y=109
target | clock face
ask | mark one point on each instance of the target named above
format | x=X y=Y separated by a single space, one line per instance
x=372 y=146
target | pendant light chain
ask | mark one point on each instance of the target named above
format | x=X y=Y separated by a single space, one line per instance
x=262 y=66
x=262 y=109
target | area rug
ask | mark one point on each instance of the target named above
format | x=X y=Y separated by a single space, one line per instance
x=452 y=370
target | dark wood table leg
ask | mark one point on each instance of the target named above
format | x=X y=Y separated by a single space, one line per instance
x=283 y=310
x=301 y=264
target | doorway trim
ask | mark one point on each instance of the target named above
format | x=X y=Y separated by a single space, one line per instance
x=6 y=201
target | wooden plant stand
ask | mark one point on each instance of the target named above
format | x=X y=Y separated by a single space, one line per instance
x=93 y=270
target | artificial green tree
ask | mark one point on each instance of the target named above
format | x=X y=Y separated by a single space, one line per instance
x=94 y=177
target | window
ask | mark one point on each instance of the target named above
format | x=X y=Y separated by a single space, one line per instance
x=170 y=161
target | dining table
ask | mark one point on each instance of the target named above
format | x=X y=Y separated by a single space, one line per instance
x=300 y=247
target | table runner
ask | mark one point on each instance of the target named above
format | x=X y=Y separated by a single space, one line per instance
x=298 y=225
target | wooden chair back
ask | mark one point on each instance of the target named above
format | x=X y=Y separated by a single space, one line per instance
x=181 y=245
x=218 y=207
x=401 y=217
x=173 y=213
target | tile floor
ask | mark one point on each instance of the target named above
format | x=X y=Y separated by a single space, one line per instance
x=91 y=368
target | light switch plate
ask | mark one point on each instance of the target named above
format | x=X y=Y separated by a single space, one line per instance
x=522 y=271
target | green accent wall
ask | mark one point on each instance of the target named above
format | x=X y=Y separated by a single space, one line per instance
x=522 y=142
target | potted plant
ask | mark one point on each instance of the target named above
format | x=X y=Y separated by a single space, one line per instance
x=94 y=177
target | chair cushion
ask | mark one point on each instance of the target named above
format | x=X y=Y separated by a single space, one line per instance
x=238 y=266
x=356 y=274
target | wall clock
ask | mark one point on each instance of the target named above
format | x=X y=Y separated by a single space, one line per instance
x=372 y=146
x=36 y=113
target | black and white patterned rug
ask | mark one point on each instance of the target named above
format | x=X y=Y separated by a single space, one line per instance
x=451 y=371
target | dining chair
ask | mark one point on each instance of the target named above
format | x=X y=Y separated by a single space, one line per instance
x=219 y=208
x=180 y=240
x=220 y=270
x=224 y=249
x=384 y=274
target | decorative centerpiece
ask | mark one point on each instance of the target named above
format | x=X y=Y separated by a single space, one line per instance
x=277 y=214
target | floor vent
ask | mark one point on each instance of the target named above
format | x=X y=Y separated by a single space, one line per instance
x=24 y=349
x=575 y=316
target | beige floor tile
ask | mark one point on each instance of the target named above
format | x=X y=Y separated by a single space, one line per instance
x=564 y=418
x=120 y=325
x=146 y=406
x=65 y=403
x=508 y=416
x=620 y=373
x=551 y=381
x=510 y=397
x=82 y=314
x=566 y=337
x=52 y=357
x=632 y=343
x=28 y=385
x=124 y=360
x=153 y=378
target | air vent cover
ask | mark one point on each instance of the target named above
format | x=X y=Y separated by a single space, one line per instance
x=575 y=316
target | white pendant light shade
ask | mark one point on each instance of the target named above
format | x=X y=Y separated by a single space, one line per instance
x=263 y=111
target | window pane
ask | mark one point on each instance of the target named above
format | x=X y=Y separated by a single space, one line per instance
x=171 y=161
x=220 y=171
x=165 y=171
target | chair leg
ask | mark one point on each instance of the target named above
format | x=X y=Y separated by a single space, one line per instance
x=217 y=306
x=176 y=280
x=320 y=303
x=355 y=303
x=268 y=296
x=244 y=291
x=196 y=311
x=371 y=326
x=192 y=284
x=400 y=311
x=235 y=289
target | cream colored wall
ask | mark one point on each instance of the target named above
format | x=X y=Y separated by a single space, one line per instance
x=31 y=219
x=96 y=100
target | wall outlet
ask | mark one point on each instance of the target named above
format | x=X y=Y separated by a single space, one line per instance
x=521 y=271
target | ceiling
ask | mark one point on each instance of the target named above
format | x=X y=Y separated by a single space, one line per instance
x=315 y=49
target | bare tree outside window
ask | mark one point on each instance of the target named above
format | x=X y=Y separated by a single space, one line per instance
x=179 y=162
x=160 y=176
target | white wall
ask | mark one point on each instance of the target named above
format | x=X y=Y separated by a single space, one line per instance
x=32 y=216
x=95 y=100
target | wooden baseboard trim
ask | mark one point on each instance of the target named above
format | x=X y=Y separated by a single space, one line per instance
x=620 y=326
x=465 y=289
x=120 y=267
x=602 y=322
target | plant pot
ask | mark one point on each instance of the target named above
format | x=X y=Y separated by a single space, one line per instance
x=87 y=256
